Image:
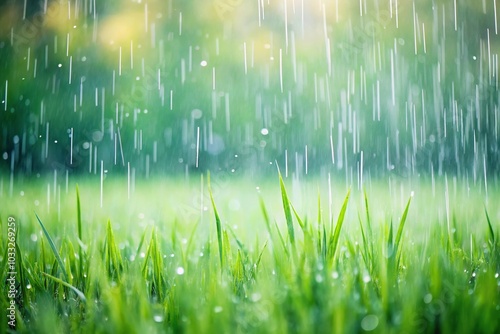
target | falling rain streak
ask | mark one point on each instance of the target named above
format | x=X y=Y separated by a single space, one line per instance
x=351 y=91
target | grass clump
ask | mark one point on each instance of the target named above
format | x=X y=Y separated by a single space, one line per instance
x=158 y=275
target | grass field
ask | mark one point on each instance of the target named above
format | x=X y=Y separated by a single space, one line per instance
x=240 y=257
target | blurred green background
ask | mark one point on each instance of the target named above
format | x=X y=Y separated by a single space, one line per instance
x=319 y=86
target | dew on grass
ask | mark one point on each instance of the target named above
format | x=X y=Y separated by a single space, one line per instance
x=255 y=297
x=428 y=298
x=366 y=278
x=159 y=318
x=369 y=322
x=218 y=309
x=179 y=271
x=335 y=275
x=34 y=237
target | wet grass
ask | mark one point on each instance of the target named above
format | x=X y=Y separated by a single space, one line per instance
x=209 y=258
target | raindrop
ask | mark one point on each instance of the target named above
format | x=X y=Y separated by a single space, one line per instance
x=319 y=278
x=158 y=318
x=264 y=132
x=196 y=113
x=180 y=271
x=255 y=297
x=97 y=136
x=369 y=323
x=203 y=63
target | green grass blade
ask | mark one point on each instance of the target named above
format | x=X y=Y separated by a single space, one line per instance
x=141 y=242
x=114 y=261
x=217 y=224
x=281 y=239
x=399 y=235
x=367 y=209
x=79 y=225
x=390 y=240
x=60 y=281
x=259 y=259
x=364 y=253
x=78 y=213
x=302 y=224
x=286 y=208
x=334 y=239
x=238 y=241
x=265 y=214
x=226 y=247
x=492 y=233
x=53 y=247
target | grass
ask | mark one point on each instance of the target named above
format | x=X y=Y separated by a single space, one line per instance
x=233 y=260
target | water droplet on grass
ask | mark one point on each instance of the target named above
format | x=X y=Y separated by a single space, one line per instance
x=255 y=297
x=218 y=309
x=158 y=318
x=369 y=323
x=180 y=271
x=427 y=298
